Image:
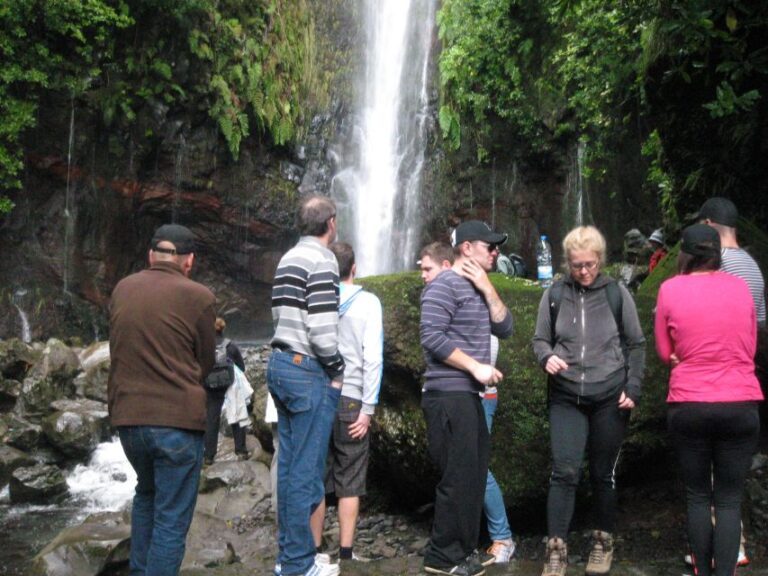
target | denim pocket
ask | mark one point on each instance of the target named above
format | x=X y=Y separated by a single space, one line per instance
x=178 y=446
x=292 y=388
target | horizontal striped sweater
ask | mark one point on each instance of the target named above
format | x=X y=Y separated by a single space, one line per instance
x=305 y=304
x=738 y=262
x=454 y=315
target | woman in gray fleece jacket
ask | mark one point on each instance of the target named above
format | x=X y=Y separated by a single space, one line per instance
x=594 y=358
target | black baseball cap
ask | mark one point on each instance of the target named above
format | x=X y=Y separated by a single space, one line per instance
x=700 y=240
x=181 y=237
x=720 y=211
x=472 y=230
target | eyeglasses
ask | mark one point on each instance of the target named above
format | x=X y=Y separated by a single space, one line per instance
x=588 y=266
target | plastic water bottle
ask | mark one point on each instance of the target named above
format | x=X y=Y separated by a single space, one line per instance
x=544 y=262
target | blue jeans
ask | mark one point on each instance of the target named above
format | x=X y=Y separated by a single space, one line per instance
x=167 y=462
x=306 y=406
x=493 y=504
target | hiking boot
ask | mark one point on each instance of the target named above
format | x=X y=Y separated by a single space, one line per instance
x=470 y=567
x=482 y=558
x=601 y=555
x=502 y=550
x=556 y=560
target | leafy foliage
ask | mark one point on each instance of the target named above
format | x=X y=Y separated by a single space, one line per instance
x=688 y=78
x=489 y=47
x=241 y=63
x=45 y=46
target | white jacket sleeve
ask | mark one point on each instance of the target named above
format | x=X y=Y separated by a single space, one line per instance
x=373 y=356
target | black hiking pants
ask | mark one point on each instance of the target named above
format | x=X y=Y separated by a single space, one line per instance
x=575 y=423
x=714 y=442
x=459 y=444
x=214 y=402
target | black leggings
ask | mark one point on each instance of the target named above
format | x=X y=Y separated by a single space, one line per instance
x=574 y=423
x=714 y=442
x=214 y=402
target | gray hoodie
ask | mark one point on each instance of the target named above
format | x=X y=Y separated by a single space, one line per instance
x=587 y=339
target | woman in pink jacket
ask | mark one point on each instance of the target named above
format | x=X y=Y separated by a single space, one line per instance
x=706 y=329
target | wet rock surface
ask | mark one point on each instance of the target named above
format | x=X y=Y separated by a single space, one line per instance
x=41 y=483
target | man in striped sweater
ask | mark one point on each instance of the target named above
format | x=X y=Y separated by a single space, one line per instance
x=722 y=215
x=460 y=309
x=305 y=375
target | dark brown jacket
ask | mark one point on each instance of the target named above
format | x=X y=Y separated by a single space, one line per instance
x=162 y=345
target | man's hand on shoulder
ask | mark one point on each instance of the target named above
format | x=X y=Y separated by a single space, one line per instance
x=359 y=428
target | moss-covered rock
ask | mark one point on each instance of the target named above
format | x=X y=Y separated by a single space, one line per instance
x=520 y=445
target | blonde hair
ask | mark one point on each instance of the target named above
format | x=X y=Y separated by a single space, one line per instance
x=584 y=238
x=220 y=324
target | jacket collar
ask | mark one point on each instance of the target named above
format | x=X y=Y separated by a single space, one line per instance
x=167 y=266
x=599 y=282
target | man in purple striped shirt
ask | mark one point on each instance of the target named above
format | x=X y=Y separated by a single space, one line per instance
x=460 y=309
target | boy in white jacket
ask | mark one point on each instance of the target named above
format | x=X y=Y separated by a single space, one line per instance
x=361 y=343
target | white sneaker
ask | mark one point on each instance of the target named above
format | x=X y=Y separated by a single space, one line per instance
x=742 y=560
x=278 y=570
x=323 y=570
x=322 y=558
x=502 y=550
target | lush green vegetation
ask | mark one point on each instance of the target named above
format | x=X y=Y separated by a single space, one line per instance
x=688 y=78
x=521 y=421
x=244 y=65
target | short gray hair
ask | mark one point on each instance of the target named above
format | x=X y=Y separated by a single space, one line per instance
x=313 y=215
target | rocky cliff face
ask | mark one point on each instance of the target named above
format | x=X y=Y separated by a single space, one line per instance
x=93 y=195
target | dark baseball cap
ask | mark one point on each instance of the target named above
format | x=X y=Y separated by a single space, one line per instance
x=472 y=230
x=181 y=237
x=700 y=240
x=720 y=211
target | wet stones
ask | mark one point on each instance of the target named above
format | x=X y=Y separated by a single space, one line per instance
x=40 y=483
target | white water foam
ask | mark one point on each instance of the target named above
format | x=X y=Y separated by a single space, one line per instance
x=107 y=482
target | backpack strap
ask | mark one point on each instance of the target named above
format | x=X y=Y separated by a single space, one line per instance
x=555 y=297
x=616 y=302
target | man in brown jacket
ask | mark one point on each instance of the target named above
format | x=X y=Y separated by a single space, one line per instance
x=162 y=344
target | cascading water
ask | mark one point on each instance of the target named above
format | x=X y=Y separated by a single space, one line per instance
x=106 y=483
x=379 y=193
x=576 y=210
x=178 y=174
x=17 y=301
x=69 y=223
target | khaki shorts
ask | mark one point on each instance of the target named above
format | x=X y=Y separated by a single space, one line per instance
x=347 y=465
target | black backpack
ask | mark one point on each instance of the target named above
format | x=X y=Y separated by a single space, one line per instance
x=518 y=264
x=222 y=375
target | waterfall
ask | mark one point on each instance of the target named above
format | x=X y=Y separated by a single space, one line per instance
x=178 y=173
x=107 y=482
x=68 y=220
x=379 y=189
x=576 y=210
x=26 y=330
